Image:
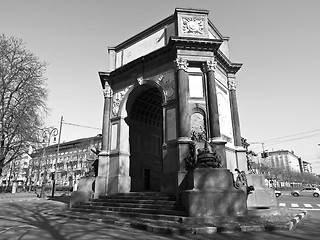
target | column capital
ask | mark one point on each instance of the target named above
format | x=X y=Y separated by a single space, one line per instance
x=181 y=64
x=209 y=65
x=232 y=85
x=107 y=91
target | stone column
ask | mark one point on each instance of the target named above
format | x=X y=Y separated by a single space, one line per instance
x=241 y=159
x=101 y=184
x=234 y=110
x=217 y=143
x=183 y=119
x=183 y=95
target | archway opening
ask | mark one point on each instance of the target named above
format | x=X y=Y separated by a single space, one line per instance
x=145 y=137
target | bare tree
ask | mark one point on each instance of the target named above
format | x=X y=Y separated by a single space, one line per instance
x=23 y=95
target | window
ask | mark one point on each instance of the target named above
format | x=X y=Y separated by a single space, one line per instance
x=196 y=86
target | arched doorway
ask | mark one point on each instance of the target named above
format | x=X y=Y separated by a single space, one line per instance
x=145 y=137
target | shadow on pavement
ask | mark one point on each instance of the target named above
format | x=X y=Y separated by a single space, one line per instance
x=30 y=216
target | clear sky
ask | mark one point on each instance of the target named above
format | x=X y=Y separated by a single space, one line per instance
x=277 y=42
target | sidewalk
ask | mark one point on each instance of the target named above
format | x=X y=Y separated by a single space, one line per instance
x=35 y=224
x=23 y=196
x=179 y=228
x=4 y=197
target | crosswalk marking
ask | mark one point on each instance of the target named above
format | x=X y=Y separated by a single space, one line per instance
x=306 y=205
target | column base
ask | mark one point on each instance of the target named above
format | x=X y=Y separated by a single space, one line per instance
x=84 y=192
x=241 y=158
x=101 y=185
x=218 y=145
x=213 y=194
x=262 y=197
x=119 y=184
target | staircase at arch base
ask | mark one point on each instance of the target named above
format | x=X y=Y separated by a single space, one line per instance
x=151 y=211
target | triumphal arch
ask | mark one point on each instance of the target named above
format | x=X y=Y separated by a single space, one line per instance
x=170 y=120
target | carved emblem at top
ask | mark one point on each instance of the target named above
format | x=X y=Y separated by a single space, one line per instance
x=193 y=25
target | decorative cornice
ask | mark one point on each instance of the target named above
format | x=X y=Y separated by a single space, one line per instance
x=201 y=44
x=181 y=64
x=104 y=76
x=226 y=64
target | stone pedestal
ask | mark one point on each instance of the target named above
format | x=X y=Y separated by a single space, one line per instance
x=262 y=199
x=119 y=184
x=101 y=184
x=212 y=193
x=84 y=192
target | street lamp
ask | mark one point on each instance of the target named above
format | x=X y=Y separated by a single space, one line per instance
x=56 y=161
x=47 y=133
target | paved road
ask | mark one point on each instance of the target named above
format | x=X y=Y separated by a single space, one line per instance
x=25 y=220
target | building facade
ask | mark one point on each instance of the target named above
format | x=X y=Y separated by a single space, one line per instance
x=283 y=159
x=16 y=171
x=74 y=160
x=306 y=167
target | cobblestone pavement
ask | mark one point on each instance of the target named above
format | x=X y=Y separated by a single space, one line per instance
x=25 y=219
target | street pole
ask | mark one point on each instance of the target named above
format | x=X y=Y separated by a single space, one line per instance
x=57 y=155
x=44 y=173
x=47 y=133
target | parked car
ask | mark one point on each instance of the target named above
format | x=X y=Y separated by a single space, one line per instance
x=277 y=193
x=306 y=191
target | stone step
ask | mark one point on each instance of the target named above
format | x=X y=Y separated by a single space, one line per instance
x=151 y=205
x=132 y=215
x=133 y=201
x=144 y=205
x=94 y=208
x=142 y=194
x=137 y=197
x=160 y=224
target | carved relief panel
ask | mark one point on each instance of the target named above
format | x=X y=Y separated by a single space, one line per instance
x=193 y=25
x=166 y=81
x=117 y=98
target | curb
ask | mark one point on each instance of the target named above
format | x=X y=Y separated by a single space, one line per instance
x=21 y=199
x=173 y=230
x=293 y=222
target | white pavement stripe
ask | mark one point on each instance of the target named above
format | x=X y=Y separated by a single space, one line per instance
x=318 y=205
x=282 y=204
x=307 y=205
x=294 y=205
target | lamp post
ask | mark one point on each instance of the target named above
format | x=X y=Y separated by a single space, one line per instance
x=47 y=133
x=54 y=177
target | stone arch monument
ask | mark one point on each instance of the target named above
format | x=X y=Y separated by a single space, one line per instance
x=167 y=88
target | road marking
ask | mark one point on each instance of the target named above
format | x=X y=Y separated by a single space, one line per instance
x=309 y=209
x=282 y=204
x=294 y=205
x=307 y=205
x=318 y=205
